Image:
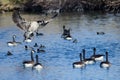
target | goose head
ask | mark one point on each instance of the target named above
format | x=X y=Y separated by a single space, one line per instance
x=63 y=27
x=14 y=36
x=9 y=53
x=35 y=45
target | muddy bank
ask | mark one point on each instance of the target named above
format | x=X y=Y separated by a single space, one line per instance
x=64 y=5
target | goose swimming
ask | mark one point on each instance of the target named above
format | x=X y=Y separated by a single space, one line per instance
x=97 y=57
x=42 y=46
x=29 y=63
x=87 y=60
x=9 y=53
x=79 y=64
x=105 y=64
x=37 y=65
x=29 y=27
x=35 y=45
x=13 y=43
x=66 y=32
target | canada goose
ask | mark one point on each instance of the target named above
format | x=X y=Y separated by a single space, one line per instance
x=13 y=43
x=26 y=47
x=68 y=37
x=105 y=64
x=29 y=48
x=87 y=60
x=39 y=34
x=75 y=41
x=42 y=46
x=29 y=63
x=28 y=40
x=97 y=57
x=79 y=64
x=35 y=45
x=37 y=65
x=29 y=26
x=66 y=32
x=100 y=33
x=9 y=53
x=40 y=51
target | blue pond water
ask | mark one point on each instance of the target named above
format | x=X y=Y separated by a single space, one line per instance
x=60 y=54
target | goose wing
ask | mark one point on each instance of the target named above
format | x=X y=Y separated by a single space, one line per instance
x=19 y=21
x=45 y=22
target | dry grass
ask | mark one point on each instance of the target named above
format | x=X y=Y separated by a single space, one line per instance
x=4 y=1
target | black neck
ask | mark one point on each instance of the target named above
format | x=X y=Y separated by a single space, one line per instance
x=94 y=51
x=36 y=58
x=83 y=54
x=13 y=38
x=63 y=27
x=68 y=35
x=32 y=56
x=106 y=56
x=80 y=57
x=36 y=44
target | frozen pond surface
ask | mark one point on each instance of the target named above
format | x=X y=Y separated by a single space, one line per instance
x=60 y=54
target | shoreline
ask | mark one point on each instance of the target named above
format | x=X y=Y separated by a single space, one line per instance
x=63 y=6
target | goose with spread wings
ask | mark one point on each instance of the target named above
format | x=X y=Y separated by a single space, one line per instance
x=29 y=27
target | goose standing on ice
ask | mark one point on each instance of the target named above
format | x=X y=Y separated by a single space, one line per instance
x=13 y=43
x=29 y=26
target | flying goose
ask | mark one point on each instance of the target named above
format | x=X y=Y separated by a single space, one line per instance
x=29 y=27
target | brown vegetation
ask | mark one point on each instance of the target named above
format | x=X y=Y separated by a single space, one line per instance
x=64 y=5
